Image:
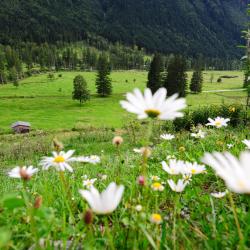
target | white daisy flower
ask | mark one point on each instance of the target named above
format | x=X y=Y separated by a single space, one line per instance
x=179 y=187
x=199 y=135
x=229 y=146
x=89 y=183
x=174 y=167
x=247 y=143
x=219 y=194
x=155 y=178
x=93 y=159
x=156 y=186
x=194 y=168
x=167 y=137
x=24 y=173
x=59 y=160
x=235 y=172
x=154 y=106
x=138 y=208
x=104 y=177
x=218 y=122
x=187 y=178
x=107 y=201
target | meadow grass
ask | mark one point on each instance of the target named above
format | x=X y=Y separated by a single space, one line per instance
x=48 y=105
x=197 y=221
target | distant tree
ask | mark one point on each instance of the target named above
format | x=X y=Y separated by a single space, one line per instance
x=103 y=81
x=176 y=79
x=51 y=76
x=13 y=76
x=197 y=80
x=80 y=90
x=155 y=73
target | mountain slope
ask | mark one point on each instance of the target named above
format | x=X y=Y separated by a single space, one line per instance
x=210 y=27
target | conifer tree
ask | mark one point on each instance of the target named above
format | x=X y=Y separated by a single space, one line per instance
x=103 y=81
x=80 y=90
x=197 y=79
x=176 y=79
x=155 y=73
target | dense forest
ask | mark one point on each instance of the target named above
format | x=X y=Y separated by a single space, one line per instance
x=190 y=27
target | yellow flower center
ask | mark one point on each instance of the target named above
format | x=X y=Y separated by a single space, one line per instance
x=59 y=159
x=193 y=171
x=152 y=113
x=156 y=218
x=156 y=185
x=218 y=123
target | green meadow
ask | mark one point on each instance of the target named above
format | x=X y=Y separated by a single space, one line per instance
x=48 y=105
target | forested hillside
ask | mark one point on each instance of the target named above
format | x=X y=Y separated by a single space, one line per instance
x=209 y=27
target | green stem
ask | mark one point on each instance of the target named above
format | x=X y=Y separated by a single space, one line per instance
x=236 y=217
x=175 y=215
x=66 y=194
x=111 y=243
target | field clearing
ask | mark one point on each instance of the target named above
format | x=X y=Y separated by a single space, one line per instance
x=47 y=104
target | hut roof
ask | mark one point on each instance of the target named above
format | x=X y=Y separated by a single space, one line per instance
x=20 y=123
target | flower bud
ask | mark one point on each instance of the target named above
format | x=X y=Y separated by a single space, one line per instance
x=24 y=174
x=117 y=141
x=88 y=217
x=141 y=180
x=58 y=146
x=38 y=202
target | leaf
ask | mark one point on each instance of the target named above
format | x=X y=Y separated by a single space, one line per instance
x=150 y=239
x=5 y=236
x=12 y=202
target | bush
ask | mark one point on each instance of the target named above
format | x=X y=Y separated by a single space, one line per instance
x=236 y=113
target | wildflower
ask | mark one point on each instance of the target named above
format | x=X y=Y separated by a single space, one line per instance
x=93 y=159
x=145 y=151
x=24 y=173
x=117 y=140
x=155 y=178
x=247 y=143
x=179 y=187
x=89 y=183
x=219 y=194
x=187 y=178
x=218 y=122
x=138 y=208
x=154 y=106
x=199 y=135
x=220 y=143
x=170 y=157
x=104 y=177
x=59 y=160
x=235 y=172
x=167 y=137
x=107 y=201
x=182 y=149
x=230 y=145
x=141 y=180
x=174 y=167
x=156 y=186
x=194 y=168
x=156 y=218
x=232 y=109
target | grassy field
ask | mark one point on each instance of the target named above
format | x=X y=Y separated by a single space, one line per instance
x=47 y=104
x=190 y=220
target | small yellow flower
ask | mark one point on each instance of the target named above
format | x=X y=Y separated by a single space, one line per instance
x=156 y=218
x=232 y=109
x=182 y=149
x=156 y=186
x=220 y=143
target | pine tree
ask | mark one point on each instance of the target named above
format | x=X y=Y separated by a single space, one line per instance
x=103 y=81
x=196 y=81
x=176 y=79
x=155 y=73
x=13 y=76
x=80 y=91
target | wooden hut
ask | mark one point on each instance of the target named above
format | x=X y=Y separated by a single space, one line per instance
x=21 y=127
